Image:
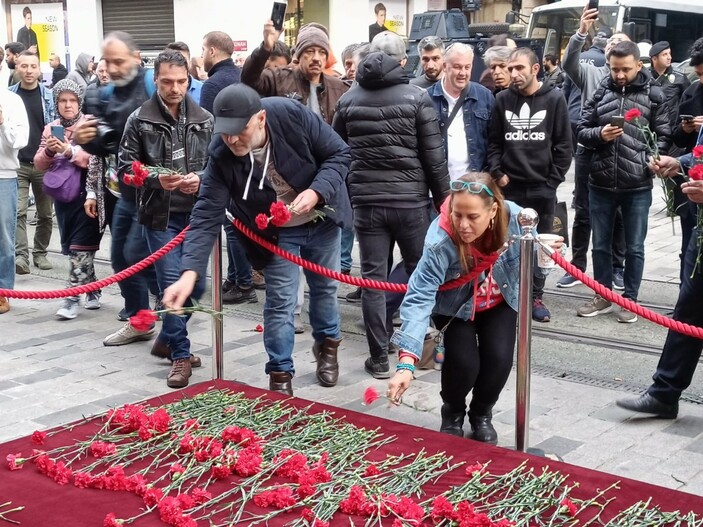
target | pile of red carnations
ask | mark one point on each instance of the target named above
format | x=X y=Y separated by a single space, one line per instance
x=220 y=459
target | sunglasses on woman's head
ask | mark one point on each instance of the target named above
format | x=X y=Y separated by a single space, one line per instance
x=472 y=186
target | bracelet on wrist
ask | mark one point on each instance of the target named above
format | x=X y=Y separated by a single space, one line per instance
x=405 y=366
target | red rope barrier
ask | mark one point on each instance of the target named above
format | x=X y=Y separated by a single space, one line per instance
x=608 y=294
x=94 y=286
x=353 y=280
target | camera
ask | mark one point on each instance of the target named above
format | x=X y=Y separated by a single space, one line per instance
x=108 y=136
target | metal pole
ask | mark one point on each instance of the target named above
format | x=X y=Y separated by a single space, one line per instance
x=528 y=220
x=218 y=371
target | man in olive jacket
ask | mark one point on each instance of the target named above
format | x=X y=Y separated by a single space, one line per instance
x=170 y=131
x=398 y=157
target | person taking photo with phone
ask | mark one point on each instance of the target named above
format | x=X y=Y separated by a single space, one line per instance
x=620 y=176
x=80 y=233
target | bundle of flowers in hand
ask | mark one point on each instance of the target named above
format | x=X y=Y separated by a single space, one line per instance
x=634 y=116
x=146 y=318
x=280 y=213
x=141 y=172
x=695 y=173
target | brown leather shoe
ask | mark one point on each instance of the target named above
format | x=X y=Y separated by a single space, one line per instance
x=4 y=305
x=327 y=366
x=160 y=349
x=281 y=382
x=179 y=374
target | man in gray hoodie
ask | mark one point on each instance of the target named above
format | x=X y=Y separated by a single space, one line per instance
x=587 y=76
x=82 y=71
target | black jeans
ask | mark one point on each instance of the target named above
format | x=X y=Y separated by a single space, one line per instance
x=543 y=200
x=680 y=355
x=478 y=356
x=376 y=229
x=581 y=229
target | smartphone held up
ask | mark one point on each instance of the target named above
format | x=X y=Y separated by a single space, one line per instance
x=278 y=14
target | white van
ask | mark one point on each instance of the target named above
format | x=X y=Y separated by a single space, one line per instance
x=680 y=22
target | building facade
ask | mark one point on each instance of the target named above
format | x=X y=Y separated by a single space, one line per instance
x=71 y=27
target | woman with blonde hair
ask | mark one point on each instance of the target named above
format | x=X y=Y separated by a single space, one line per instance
x=477 y=321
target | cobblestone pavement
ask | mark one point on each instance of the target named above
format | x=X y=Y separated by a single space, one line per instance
x=55 y=371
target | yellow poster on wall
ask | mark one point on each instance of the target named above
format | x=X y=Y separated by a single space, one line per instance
x=40 y=28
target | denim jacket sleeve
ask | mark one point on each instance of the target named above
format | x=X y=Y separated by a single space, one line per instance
x=419 y=301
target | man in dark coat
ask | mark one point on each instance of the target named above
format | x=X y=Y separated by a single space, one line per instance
x=60 y=71
x=275 y=150
x=217 y=60
x=395 y=163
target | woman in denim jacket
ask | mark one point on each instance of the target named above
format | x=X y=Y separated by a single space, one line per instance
x=479 y=319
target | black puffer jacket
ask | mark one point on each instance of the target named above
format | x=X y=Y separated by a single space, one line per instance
x=621 y=165
x=393 y=132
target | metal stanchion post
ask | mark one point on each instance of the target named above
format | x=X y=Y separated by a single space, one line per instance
x=218 y=371
x=528 y=220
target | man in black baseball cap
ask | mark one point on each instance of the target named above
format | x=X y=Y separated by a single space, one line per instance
x=266 y=151
x=234 y=107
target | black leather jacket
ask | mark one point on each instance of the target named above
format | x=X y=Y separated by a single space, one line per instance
x=147 y=138
x=621 y=165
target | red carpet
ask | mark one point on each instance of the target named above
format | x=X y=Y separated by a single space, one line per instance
x=49 y=504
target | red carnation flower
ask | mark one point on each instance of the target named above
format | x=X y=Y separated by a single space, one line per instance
x=698 y=152
x=371 y=470
x=139 y=170
x=262 y=221
x=200 y=496
x=471 y=469
x=632 y=114
x=177 y=469
x=100 y=449
x=259 y=328
x=111 y=521
x=570 y=506
x=696 y=173
x=280 y=214
x=14 y=461
x=38 y=437
x=370 y=395
x=143 y=320
x=152 y=496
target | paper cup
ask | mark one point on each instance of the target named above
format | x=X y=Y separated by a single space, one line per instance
x=543 y=259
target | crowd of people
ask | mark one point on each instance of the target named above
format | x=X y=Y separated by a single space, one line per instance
x=438 y=165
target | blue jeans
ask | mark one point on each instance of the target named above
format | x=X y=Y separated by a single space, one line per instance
x=174 y=331
x=319 y=243
x=347 y=247
x=581 y=230
x=238 y=266
x=680 y=355
x=128 y=247
x=635 y=211
x=8 y=227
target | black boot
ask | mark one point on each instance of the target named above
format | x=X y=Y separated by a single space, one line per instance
x=482 y=430
x=452 y=421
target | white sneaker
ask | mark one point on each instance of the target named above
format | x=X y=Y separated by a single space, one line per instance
x=69 y=310
x=127 y=334
x=92 y=301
